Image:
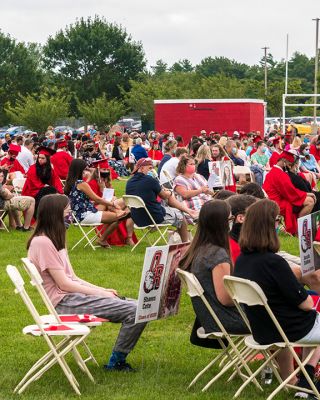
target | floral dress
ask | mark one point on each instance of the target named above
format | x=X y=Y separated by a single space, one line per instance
x=80 y=202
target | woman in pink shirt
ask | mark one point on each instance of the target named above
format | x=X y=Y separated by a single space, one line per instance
x=70 y=294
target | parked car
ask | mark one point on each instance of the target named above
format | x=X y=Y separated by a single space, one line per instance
x=63 y=129
x=16 y=130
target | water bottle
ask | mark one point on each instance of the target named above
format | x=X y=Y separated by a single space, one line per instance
x=266 y=375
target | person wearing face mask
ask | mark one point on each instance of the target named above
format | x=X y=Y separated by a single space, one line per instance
x=293 y=203
x=232 y=151
x=259 y=157
x=91 y=152
x=191 y=188
x=308 y=161
x=276 y=148
x=169 y=210
x=238 y=205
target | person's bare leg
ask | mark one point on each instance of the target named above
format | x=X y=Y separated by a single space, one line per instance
x=285 y=362
x=307 y=207
x=28 y=214
x=183 y=231
x=109 y=229
x=130 y=229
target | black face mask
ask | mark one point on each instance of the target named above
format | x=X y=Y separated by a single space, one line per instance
x=104 y=175
x=235 y=231
x=90 y=148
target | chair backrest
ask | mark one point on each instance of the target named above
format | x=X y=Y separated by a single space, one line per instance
x=169 y=177
x=37 y=281
x=194 y=289
x=137 y=202
x=18 y=184
x=18 y=282
x=242 y=169
x=244 y=291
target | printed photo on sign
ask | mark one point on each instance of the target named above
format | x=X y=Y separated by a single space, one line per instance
x=309 y=242
x=160 y=288
x=214 y=180
x=171 y=292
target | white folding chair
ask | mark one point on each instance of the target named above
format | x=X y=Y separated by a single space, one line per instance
x=3 y=225
x=233 y=355
x=169 y=177
x=90 y=236
x=18 y=184
x=244 y=291
x=88 y=320
x=72 y=334
x=161 y=229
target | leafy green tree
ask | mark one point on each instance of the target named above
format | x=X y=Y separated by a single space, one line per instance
x=182 y=66
x=160 y=67
x=19 y=71
x=101 y=111
x=93 y=56
x=221 y=65
x=37 y=112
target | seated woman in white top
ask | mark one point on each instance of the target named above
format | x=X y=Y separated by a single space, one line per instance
x=71 y=294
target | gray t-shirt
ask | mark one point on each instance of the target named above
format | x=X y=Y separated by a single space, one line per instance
x=2 y=199
x=206 y=260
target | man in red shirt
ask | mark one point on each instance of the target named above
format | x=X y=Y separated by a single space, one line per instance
x=61 y=160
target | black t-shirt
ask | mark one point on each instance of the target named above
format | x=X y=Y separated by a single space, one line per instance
x=203 y=169
x=148 y=189
x=284 y=294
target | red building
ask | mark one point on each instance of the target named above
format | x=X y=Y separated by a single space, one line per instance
x=189 y=117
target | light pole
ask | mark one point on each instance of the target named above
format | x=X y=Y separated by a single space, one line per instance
x=265 y=72
x=315 y=128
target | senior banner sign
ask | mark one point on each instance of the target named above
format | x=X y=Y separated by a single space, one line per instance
x=309 y=242
x=220 y=174
x=160 y=287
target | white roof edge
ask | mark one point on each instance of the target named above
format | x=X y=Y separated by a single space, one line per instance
x=184 y=101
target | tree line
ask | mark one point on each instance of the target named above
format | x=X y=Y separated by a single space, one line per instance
x=94 y=69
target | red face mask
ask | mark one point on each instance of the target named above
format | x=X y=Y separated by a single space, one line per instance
x=190 y=169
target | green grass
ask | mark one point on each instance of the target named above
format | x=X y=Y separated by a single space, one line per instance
x=164 y=357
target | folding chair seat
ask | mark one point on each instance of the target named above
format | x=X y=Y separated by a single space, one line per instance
x=243 y=170
x=3 y=225
x=90 y=236
x=72 y=335
x=161 y=229
x=234 y=354
x=86 y=319
x=244 y=291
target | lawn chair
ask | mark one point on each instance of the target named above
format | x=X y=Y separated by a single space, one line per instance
x=90 y=236
x=169 y=177
x=161 y=229
x=3 y=225
x=72 y=334
x=233 y=354
x=88 y=320
x=243 y=170
x=244 y=291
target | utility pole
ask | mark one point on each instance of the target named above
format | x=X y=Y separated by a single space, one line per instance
x=316 y=76
x=265 y=72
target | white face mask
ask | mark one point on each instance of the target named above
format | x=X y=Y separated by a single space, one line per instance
x=230 y=225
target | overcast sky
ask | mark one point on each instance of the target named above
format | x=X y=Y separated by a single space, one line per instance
x=177 y=29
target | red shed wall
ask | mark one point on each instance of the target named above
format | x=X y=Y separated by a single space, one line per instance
x=189 y=119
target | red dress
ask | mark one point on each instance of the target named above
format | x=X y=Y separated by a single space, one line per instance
x=315 y=152
x=61 y=161
x=120 y=234
x=33 y=184
x=280 y=189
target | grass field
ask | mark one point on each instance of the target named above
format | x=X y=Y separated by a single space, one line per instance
x=164 y=357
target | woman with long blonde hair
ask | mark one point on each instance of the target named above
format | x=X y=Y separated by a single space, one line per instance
x=203 y=158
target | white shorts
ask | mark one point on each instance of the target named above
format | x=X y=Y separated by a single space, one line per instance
x=314 y=335
x=92 y=218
